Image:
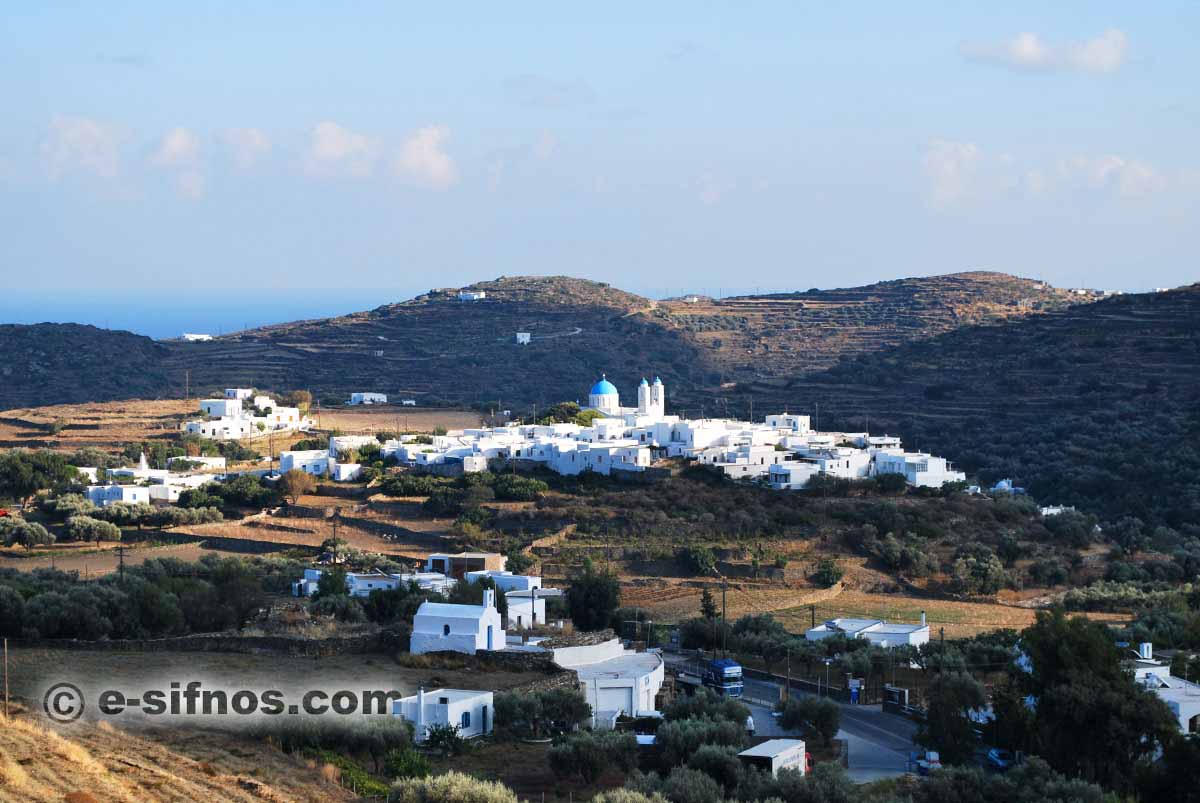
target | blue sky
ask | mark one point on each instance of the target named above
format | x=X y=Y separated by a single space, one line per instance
x=369 y=151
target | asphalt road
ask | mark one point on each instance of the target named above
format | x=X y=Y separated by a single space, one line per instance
x=878 y=744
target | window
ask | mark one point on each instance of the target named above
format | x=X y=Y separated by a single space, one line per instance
x=466 y=720
x=445 y=630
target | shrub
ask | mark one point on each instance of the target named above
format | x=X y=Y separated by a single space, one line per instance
x=406 y=763
x=827 y=573
x=686 y=785
x=85 y=528
x=452 y=787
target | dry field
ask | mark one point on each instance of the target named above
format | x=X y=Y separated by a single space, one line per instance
x=99 y=763
x=109 y=425
x=92 y=562
x=103 y=425
x=32 y=669
x=392 y=418
x=317 y=531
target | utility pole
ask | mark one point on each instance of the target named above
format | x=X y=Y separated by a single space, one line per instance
x=788 y=688
x=724 y=619
x=812 y=612
x=187 y=384
x=121 y=561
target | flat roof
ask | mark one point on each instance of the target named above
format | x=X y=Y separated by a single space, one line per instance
x=630 y=665
x=453 y=695
x=773 y=747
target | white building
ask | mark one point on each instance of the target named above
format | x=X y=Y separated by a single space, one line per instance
x=527 y=609
x=361 y=584
x=238 y=416
x=310 y=461
x=523 y=338
x=471 y=295
x=783 y=450
x=196 y=337
x=105 y=495
x=221 y=408
x=469 y=712
x=774 y=755
x=440 y=626
x=205 y=463
x=1181 y=696
x=876 y=631
x=918 y=468
x=505 y=581
x=614 y=680
x=368 y=398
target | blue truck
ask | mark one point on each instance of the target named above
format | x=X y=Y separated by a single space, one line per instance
x=722 y=675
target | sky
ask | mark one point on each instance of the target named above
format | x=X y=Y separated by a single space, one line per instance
x=212 y=165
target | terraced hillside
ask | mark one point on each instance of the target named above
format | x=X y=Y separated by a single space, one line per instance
x=1095 y=405
x=435 y=348
x=795 y=333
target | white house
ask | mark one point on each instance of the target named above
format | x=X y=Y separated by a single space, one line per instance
x=310 y=461
x=239 y=393
x=408 y=402
x=368 y=398
x=105 y=495
x=471 y=295
x=527 y=609
x=505 y=581
x=221 y=408
x=918 y=468
x=470 y=712
x=205 y=463
x=361 y=584
x=1181 y=696
x=614 y=679
x=523 y=338
x=196 y=337
x=876 y=631
x=774 y=755
x=441 y=626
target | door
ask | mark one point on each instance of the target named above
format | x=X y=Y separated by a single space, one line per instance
x=483 y=720
x=489 y=637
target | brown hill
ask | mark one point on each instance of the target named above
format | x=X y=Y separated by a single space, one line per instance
x=100 y=763
x=435 y=348
x=1095 y=405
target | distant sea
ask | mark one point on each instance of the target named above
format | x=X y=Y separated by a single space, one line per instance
x=170 y=314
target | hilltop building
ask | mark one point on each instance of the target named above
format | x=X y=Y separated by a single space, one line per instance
x=232 y=418
x=782 y=451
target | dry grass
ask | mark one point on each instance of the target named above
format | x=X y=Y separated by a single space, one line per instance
x=105 y=561
x=393 y=418
x=84 y=763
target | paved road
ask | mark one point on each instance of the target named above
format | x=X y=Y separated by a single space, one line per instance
x=878 y=744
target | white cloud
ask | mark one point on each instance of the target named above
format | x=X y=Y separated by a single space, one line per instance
x=83 y=144
x=1028 y=51
x=1131 y=178
x=337 y=152
x=177 y=147
x=951 y=168
x=423 y=159
x=247 y=145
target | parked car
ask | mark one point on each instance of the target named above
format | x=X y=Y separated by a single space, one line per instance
x=999 y=760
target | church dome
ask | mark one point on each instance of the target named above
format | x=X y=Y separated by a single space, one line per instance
x=604 y=388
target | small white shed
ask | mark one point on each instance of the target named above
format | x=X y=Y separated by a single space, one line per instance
x=774 y=755
x=441 y=626
x=471 y=712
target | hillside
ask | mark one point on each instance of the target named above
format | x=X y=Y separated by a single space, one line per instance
x=1095 y=405
x=435 y=348
x=51 y=363
x=90 y=764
